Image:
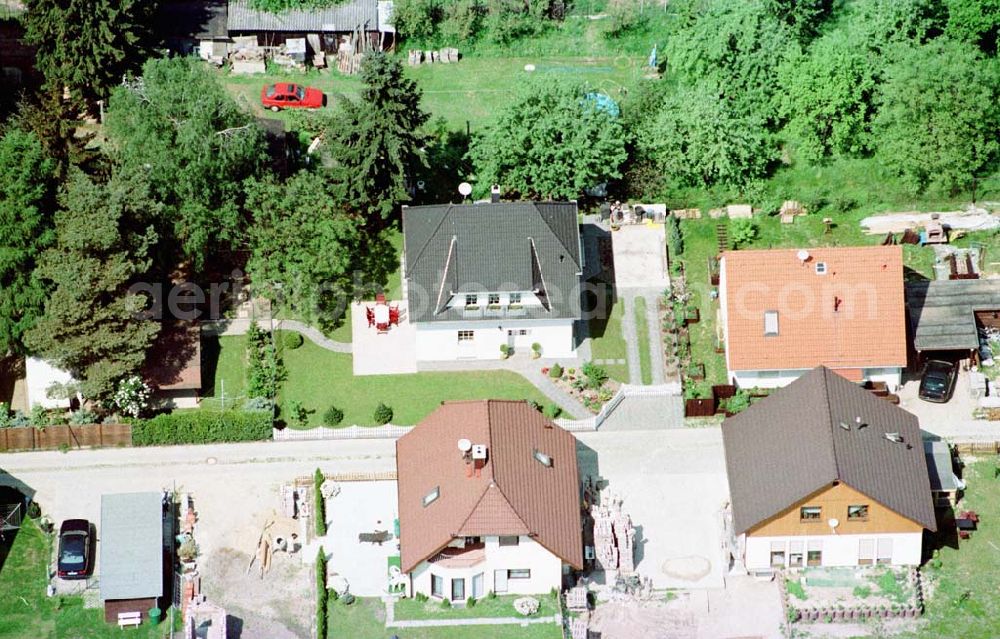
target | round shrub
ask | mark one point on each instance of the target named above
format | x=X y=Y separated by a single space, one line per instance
x=382 y=414
x=333 y=416
x=556 y=371
x=292 y=340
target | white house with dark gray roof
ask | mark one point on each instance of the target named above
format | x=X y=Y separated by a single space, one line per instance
x=824 y=473
x=482 y=275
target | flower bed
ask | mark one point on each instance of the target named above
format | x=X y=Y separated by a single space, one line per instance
x=590 y=385
x=851 y=595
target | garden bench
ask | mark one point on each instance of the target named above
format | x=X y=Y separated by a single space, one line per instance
x=133 y=619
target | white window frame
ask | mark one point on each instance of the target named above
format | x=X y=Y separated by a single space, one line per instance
x=432 y=496
x=437 y=580
x=513 y=298
x=519 y=573
x=471 y=299
x=466 y=336
x=493 y=299
x=771 y=326
x=821 y=268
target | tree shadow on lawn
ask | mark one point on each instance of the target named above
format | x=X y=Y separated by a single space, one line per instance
x=210 y=350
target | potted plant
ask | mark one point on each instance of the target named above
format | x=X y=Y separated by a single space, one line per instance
x=188 y=552
x=504 y=351
x=536 y=350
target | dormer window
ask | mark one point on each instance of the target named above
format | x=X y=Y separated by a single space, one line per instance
x=493 y=299
x=432 y=496
x=770 y=323
x=471 y=300
x=515 y=298
x=542 y=458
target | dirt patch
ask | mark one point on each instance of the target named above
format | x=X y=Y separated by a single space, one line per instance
x=277 y=606
x=653 y=620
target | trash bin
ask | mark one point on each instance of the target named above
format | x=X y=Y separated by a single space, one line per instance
x=154 y=616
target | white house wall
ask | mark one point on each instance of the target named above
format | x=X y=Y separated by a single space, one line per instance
x=438 y=341
x=546 y=570
x=838 y=550
x=781 y=378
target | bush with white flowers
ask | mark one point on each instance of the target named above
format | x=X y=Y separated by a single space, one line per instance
x=132 y=396
x=526 y=606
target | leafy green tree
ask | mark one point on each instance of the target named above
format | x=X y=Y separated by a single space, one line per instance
x=827 y=97
x=178 y=126
x=553 y=141
x=804 y=17
x=738 y=47
x=93 y=326
x=974 y=21
x=88 y=45
x=305 y=242
x=376 y=140
x=27 y=203
x=698 y=139
x=939 y=120
x=883 y=24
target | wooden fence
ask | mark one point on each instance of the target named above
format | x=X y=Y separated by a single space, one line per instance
x=53 y=437
x=977 y=448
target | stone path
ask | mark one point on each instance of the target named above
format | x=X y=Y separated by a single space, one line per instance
x=241 y=326
x=530 y=369
x=390 y=619
x=630 y=333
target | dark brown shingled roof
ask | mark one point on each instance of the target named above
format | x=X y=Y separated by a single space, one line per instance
x=513 y=494
x=792 y=444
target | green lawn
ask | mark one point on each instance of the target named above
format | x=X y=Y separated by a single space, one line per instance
x=365 y=619
x=319 y=378
x=468 y=92
x=223 y=370
x=27 y=613
x=642 y=330
x=499 y=606
x=607 y=340
x=965 y=600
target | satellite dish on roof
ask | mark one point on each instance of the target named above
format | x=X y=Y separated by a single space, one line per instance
x=833 y=522
x=803 y=255
x=464 y=445
x=466 y=190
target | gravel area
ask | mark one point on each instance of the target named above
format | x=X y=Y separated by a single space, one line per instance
x=279 y=606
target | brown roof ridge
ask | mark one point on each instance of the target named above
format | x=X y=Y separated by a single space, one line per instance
x=506 y=500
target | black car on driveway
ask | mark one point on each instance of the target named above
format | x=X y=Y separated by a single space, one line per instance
x=75 y=552
x=938 y=381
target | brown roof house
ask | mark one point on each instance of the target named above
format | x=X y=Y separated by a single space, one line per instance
x=787 y=311
x=173 y=366
x=489 y=500
x=824 y=473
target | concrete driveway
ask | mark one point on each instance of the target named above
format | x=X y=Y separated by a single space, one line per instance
x=361 y=506
x=640 y=258
x=673 y=485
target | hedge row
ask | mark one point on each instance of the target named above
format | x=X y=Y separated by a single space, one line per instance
x=322 y=595
x=201 y=427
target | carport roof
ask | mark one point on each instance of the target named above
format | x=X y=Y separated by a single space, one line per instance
x=131 y=546
x=942 y=312
x=806 y=436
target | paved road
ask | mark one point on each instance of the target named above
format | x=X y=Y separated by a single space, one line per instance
x=232 y=483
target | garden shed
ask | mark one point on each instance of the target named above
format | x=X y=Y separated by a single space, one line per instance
x=136 y=548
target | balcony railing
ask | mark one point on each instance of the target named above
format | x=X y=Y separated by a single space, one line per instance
x=494 y=310
x=460 y=557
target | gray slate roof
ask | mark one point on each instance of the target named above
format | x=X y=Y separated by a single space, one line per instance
x=941 y=311
x=492 y=247
x=939 y=467
x=791 y=444
x=336 y=18
x=131 y=537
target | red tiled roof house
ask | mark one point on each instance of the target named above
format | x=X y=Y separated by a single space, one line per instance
x=488 y=501
x=787 y=311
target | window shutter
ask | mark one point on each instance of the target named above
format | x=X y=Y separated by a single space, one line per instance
x=885 y=548
x=866 y=549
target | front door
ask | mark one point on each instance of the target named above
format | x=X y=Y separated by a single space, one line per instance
x=499 y=581
x=511 y=338
x=477 y=585
x=457 y=589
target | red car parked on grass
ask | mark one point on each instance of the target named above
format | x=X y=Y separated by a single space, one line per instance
x=291 y=96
